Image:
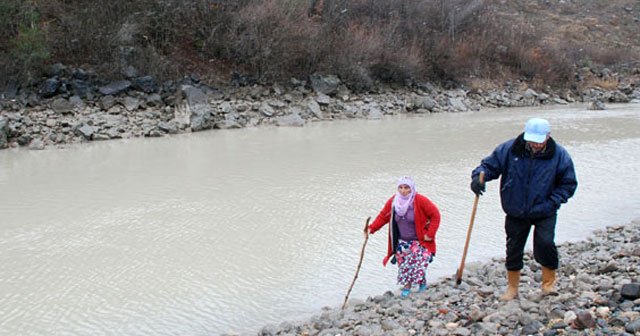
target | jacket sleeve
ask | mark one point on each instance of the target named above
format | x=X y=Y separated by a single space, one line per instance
x=565 y=183
x=433 y=216
x=493 y=164
x=383 y=217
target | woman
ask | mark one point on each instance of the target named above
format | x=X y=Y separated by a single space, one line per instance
x=412 y=234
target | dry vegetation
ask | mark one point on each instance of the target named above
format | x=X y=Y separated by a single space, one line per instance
x=363 y=41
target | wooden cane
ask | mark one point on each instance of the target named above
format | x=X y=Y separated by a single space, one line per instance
x=466 y=244
x=366 y=238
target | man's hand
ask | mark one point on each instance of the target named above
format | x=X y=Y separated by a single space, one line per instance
x=476 y=186
x=426 y=238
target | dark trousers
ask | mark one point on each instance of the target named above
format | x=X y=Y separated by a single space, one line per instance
x=544 y=247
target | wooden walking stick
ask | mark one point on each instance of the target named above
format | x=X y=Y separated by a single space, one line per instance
x=366 y=238
x=466 y=244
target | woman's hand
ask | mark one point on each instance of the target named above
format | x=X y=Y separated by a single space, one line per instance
x=426 y=238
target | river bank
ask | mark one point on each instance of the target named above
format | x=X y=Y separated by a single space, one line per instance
x=598 y=286
x=72 y=106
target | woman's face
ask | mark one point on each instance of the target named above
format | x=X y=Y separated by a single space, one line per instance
x=404 y=190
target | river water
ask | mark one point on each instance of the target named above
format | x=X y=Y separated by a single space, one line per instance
x=226 y=231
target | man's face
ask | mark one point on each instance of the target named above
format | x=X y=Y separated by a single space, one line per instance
x=537 y=147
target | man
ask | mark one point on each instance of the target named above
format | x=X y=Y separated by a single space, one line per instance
x=537 y=177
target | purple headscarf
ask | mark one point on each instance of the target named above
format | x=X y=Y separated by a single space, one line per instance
x=402 y=203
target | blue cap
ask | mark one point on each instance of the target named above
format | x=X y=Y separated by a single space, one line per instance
x=536 y=130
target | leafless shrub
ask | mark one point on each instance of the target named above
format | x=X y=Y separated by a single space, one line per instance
x=362 y=41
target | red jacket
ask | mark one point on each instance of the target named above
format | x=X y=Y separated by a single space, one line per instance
x=427 y=218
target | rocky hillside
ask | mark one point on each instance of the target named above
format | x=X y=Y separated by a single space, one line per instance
x=336 y=59
x=612 y=25
x=361 y=41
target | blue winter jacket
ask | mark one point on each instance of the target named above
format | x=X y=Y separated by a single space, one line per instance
x=532 y=186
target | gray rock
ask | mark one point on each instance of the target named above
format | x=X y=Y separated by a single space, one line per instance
x=268 y=330
x=462 y=332
x=196 y=111
x=230 y=121
x=290 y=120
x=146 y=84
x=374 y=113
x=532 y=328
x=194 y=96
x=633 y=327
x=154 y=133
x=323 y=99
x=425 y=103
x=484 y=328
x=130 y=103
x=168 y=127
x=630 y=291
x=116 y=109
x=51 y=122
x=597 y=105
x=225 y=108
x=276 y=103
x=527 y=305
x=584 y=320
x=390 y=324
x=266 y=110
x=363 y=331
x=36 y=144
x=457 y=104
x=100 y=137
x=154 y=100
x=327 y=84
x=77 y=102
x=4 y=129
x=61 y=105
x=50 y=87
x=81 y=88
x=114 y=133
x=107 y=102
x=314 y=108
x=530 y=94
x=115 y=88
x=86 y=131
x=611 y=266
x=23 y=140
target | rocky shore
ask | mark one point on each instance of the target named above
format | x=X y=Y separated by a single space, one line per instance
x=598 y=294
x=72 y=105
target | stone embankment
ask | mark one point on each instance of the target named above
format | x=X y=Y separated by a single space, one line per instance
x=598 y=294
x=72 y=105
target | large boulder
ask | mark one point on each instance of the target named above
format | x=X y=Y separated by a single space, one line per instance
x=597 y=105
x=61 y=105
x=196 y=106
x=327 y=84
x=50 y=87
x=145 y=84
x=290 y=120
x=115 y=88
x=81 y=88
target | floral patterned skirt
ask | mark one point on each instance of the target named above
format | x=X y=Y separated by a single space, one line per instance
x=413 y=260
